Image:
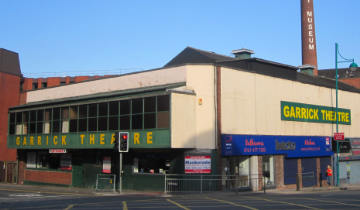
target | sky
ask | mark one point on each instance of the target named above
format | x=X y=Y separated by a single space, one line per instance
x=84 y=37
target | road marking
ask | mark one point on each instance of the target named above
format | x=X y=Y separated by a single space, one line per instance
x=232 y=203
x=69 y=207
x=177 y=204
x=284 y=202
x=124 y=205
x=345 y=204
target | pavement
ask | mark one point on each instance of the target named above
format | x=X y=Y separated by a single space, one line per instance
x=91 y=192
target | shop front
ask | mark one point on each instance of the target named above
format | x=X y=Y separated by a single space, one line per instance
x=282 y=160
x=69 y=143
x=349 y=163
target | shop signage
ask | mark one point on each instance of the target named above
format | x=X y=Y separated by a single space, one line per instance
x=198 y=164
x=102 y=140
x=291 y=146
x=341 y=146
x=339 y=136
x=355 y=146
x=57 y=151
x=291 y=111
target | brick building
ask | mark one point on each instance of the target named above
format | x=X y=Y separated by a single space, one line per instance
x=13 y=91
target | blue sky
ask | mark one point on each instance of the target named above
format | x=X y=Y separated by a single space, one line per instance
x=72 y=37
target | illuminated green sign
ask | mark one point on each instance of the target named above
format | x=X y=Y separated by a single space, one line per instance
x=312 y=113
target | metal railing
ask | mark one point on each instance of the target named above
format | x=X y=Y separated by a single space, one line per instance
x=209 y=183
x=106 y=182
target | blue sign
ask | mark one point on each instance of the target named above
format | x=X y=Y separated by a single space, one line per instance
x=291 y=146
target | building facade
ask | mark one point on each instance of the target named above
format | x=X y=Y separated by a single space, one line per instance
x=243 y=116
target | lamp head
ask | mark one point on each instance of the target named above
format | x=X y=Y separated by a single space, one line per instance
x=353 y=65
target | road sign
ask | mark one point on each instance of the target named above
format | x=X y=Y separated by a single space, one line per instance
x=339 y=136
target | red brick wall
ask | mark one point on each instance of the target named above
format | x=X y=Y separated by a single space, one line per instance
x=53 y=81
x=352 y=81
x=80 y=78
x=21 y=169
x=50 y=177
x=10 y=94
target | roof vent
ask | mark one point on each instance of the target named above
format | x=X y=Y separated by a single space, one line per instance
x=307 y=69
x=242 y=53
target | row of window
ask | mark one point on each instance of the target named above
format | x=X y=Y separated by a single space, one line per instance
x=133 y=114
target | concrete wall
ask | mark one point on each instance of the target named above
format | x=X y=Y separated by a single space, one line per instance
x=251 y=105
x=183 y=121
x=130 y=81
x=200 y=78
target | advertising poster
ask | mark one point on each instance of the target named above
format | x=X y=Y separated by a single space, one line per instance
x=65 y=162
x=198 y=164
x=107 y=165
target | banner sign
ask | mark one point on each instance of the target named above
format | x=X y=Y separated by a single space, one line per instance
x=313 y=113
x=159 y=138
x=57 y=151
x=291 y=146
x=198 y=164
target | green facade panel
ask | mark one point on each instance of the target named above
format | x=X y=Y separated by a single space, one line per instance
x=90 y=140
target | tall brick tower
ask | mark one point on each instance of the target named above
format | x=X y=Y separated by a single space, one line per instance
x=308 y=40
x=10 y=76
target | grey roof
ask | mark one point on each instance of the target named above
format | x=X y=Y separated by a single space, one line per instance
x=93 y=98
x=9 y=62
x=192 y=55
x=343 y=73
x=260 y=66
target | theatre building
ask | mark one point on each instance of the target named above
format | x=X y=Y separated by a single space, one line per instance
x=242 y=116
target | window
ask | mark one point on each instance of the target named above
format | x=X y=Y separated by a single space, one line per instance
x=163 y=116
x=47 y=120
x=43 y=159
x=25 y=125
x=55 y=125
x=114 y=115
x=32 y=125
x=92 y=120
x=125 y=115
x=83 y=117
x=44 y=84
x=136 y=114
x=149 y=112
x=73 y=114
x=65 y=119
x=103 y=117
x=12 y=124
x=34 y=85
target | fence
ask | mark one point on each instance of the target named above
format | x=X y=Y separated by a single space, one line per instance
x=208 y=183
x=106 y=182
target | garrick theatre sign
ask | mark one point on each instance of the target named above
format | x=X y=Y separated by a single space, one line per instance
x=291 y=146
x=101 y=140
x=313 y=113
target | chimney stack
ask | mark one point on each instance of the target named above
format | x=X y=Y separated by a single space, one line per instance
x=308 y=40
x=242 y=53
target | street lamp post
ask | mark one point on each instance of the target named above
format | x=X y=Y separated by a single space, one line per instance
x=352 y=65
